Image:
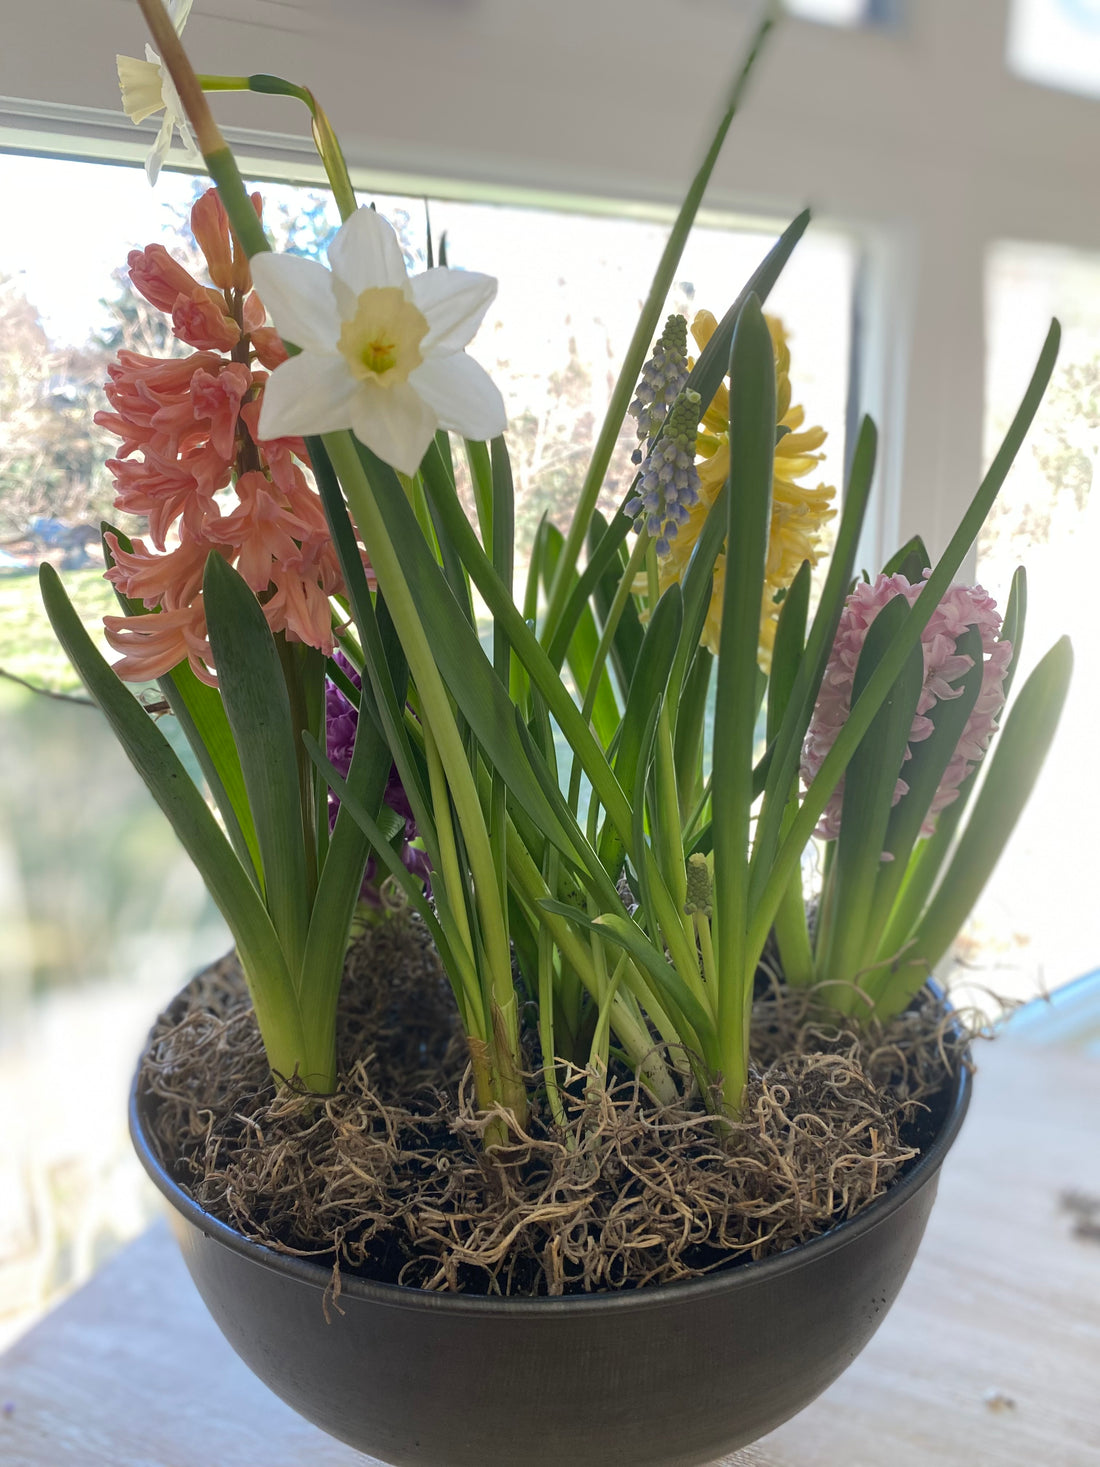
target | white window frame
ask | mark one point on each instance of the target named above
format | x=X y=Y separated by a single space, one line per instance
x=917 y=137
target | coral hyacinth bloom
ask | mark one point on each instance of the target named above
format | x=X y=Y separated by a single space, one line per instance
x=153 y=645
x=160 y=278
x=190 y=430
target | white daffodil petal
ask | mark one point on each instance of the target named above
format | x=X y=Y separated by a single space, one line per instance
x=139 y=83
x=366 y=253
x=462 y=395
x=159 y=151
x=173 y=112
x=307 y=394
x=178 y=11
x=395 y=423
x=453 y=302
x=298 y=293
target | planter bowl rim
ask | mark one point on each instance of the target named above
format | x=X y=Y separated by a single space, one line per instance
x=655 y=1296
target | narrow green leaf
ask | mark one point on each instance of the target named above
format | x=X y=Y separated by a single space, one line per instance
x=674 y=991
x=1018 y=754
x=581 y=655
x=923 y=773
x=385 y=668
x=752 y=454
x=172 y=788
x=781 y=768
x=647 y=692
x=198 y=710
x=787 y=652
x=628 y=636
x=870 y=781
x=647 y=325
x=911 y=561
x=255 y=697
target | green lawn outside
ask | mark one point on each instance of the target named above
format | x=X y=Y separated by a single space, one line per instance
x=28 y=647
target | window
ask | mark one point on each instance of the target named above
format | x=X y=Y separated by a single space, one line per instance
x=103 y=915
x=1032 y=928
x=1056 y=42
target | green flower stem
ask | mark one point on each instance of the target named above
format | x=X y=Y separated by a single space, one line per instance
x=450 y=870
x=324 y=139
x=644 y=331
x=709 y=962
x=437 y=714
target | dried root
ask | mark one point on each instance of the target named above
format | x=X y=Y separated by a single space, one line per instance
x=388 y=1177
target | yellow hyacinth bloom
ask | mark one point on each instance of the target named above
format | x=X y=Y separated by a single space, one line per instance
x=798 y=511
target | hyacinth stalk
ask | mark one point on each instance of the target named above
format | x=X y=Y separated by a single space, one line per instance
x=633 y=892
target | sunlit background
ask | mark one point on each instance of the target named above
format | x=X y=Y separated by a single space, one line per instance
x=103 y=917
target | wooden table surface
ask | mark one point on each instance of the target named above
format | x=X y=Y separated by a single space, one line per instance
x=990 y=1358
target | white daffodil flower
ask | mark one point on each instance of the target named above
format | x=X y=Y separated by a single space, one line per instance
x=379 y=352
x=147 y=88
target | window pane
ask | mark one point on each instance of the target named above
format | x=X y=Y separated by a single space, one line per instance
x=103 y=915
x=1056 y=42
x=832 y=12
x=1035 y=927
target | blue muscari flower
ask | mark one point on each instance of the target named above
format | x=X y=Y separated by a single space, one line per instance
x=663 y=378
x=668 y=485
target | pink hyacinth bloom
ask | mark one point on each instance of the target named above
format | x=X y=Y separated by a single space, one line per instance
x=961 y=607
x=201 y=322
x=171 y=581
x=154 y=644
x=210 y=226
x=261 y=530
x=216 y=400
x=192 y=426
x=159 y=277
x=268 y=344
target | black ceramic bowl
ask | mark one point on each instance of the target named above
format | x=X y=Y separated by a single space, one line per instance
x=670 y=1376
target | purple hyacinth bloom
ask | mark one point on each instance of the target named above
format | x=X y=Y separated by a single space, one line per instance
x=341 y=722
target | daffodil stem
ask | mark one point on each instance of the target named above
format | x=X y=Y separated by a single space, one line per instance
x=324 y=139
x=174 y=57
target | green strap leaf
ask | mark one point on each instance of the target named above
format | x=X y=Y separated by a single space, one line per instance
x=1018 y=755
x=254 y=694
x=627 y=642
x=869 y=785
x=198 y=710
x=172 y=788
x=581 y=654
x=752 y=455
x=647 y=325
x=675 y=992
x=911 y=561
x=647 y=693
x=923 y=773
x=704 y=378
